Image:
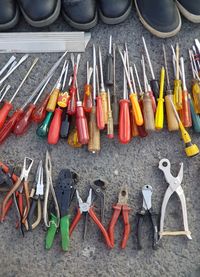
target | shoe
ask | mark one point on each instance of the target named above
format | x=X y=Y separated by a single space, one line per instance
x=160 y=17
x=9 y=14
x=114 y=11
x=40 y=13
x=190 y=9
x=80 y=14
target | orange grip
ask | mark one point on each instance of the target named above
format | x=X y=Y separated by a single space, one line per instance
x=4 y=113
x=111 y=229
x=75 y=222
x=127 y=228
x=22 y=125
x=87 y=99
x=100 y=114
x=6 y=170
x=81 y=125
x=136 y=109
x=39 y=113
x=134 y=127
x=53 y=100
x=124 y=122
x=185 y=114
x=54 y=129
x=71 y=109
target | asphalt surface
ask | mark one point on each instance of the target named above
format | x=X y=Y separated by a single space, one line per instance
x=134 y=165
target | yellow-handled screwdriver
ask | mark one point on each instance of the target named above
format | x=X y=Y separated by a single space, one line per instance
x=159 y=118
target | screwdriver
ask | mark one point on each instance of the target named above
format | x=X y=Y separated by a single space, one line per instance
x=109 y=65
x=7 y=107
x=115 y=102
x=153 y=82
x=72 y=139
x=103 y=93
x=185 y=114
x=147 y=104
x=63 y=97
x=99 y=105
x=133 y=96
x=87 y=99
x=159 y=117
x=94 y=133
x=4 y=90
x=9 y=62
x=172 y=122
x=110 y=127
x=124 y=114
x=191 y=149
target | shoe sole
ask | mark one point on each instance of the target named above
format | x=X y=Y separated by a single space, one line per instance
x=154 y=31
x=44 y=22
x=11 y=23
x=191 y=17
x=80 y=26
x=115 y=20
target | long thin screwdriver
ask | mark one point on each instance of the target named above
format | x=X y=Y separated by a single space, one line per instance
x=109 y=65
x=9 y=62
x=115 y=102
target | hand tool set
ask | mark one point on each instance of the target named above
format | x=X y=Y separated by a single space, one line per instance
x=54 y=204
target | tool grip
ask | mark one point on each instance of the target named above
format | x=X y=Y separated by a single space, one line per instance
x=124 y=122
x=109 y=80
x=136 y=109
x=100 y=114
x=196 y=95
x=172 y=122
x=71 y=109
x=39 y=113
x=111 y=228
x=155 y=88
x=52 y=100
x=75 y=222
x=155 y=230
x=43 y=128
x=4 y=111
x=153 y=101
x=87 y=99
x=82 y=125
x=72 y=139
x=6 y=170
x=64 y=229
x=26 y=210
x=63 y=99
x=134 y=127
x=31 y=213
x=110 y=127
x=185 y=114
x=148 y=114
x=127 y=228
x=177 y=94
x=104 y=98
x=195 y=117
x=140 y=219
x=51 y=232
x=94 y=133
x=65 y=125
x=115 y=110
x=141 y=129
x=54 y=129
x=22 y=125
x=159 y=117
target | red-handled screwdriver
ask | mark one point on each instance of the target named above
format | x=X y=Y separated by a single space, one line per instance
x=99 y=105
x=87 y=99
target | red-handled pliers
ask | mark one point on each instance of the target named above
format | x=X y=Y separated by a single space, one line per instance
x=121 y=206
x=85 y=207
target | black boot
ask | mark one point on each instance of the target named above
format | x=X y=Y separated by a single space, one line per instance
x=114 y=11
x=190 y=9
x=80 y=14
x=160 y=17
x=9 y=14
x=40 y=13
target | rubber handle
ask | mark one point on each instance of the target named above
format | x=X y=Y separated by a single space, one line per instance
x=87 y=99
x=124 y=122
x=51 y=232
x=100 y=114
x=104 y=98
x=94 y=133
x=55 y=125
x=9 y=125
x=185 y=114
x=115 y=110
x=159 y=117
x=4 y=111
x=31 y=213
x=140 y=219
x=177 y=94
x=155 y=88
x=111 y=228
x=148 y=114
x=155 y=230
x=43 y=128
x=71 y=109
x=136 y=109
x=53 y=100
x=134 y=127
x=22 y=125
x=82 y=125
x=195 y=117
x=127 y=228
x=172 y=122
x=65 y=125
x=39 y=113
x=64 y=229
x=196 y=95
x=109 y=71
x=110 y=126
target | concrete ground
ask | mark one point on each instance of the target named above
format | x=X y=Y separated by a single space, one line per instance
x=135 y=165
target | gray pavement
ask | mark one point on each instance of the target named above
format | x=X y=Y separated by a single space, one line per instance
x=135 y=164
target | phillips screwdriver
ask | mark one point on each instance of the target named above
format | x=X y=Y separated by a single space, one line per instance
x=159 y=117
x=172 y=122
x=115 y=102
x=185 y=114
x=191 y=149
x=99 y=105
x=103 y=93
x=147 y=104
x=110 y=127
x=133 y=96
x=94 y=133
x=109 y=65
x=7 y=107
x=124 y=114
x=87 y=99
x=153 y=82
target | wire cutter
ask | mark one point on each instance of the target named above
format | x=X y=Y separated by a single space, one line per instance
x=86 y=207
x=64 y=192
x=37 y=194
x=121 y=206
x=174 y=186
x=147 y=211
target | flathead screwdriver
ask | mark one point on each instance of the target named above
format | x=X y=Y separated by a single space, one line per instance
x=110 y=128
x=4 y=91
x=10 y=61
x=115 y=102
x=99 y=105
x=109 y=65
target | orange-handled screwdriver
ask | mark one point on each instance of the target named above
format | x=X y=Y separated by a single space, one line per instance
x=87 y=99
x=99 y=105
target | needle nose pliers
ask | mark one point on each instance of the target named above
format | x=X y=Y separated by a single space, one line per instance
x=121 y=206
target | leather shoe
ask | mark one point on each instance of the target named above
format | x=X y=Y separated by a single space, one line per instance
x=114 y=11
x=161 y=18
x=9 y=14
x=80 y=14
x=190 y=9
x=40 y=13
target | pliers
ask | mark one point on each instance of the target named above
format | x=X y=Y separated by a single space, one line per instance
x=64 y=192
x=147 y=211
x=121 y=206
x=174 y=186
x=86 y=207
x=37 y=194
